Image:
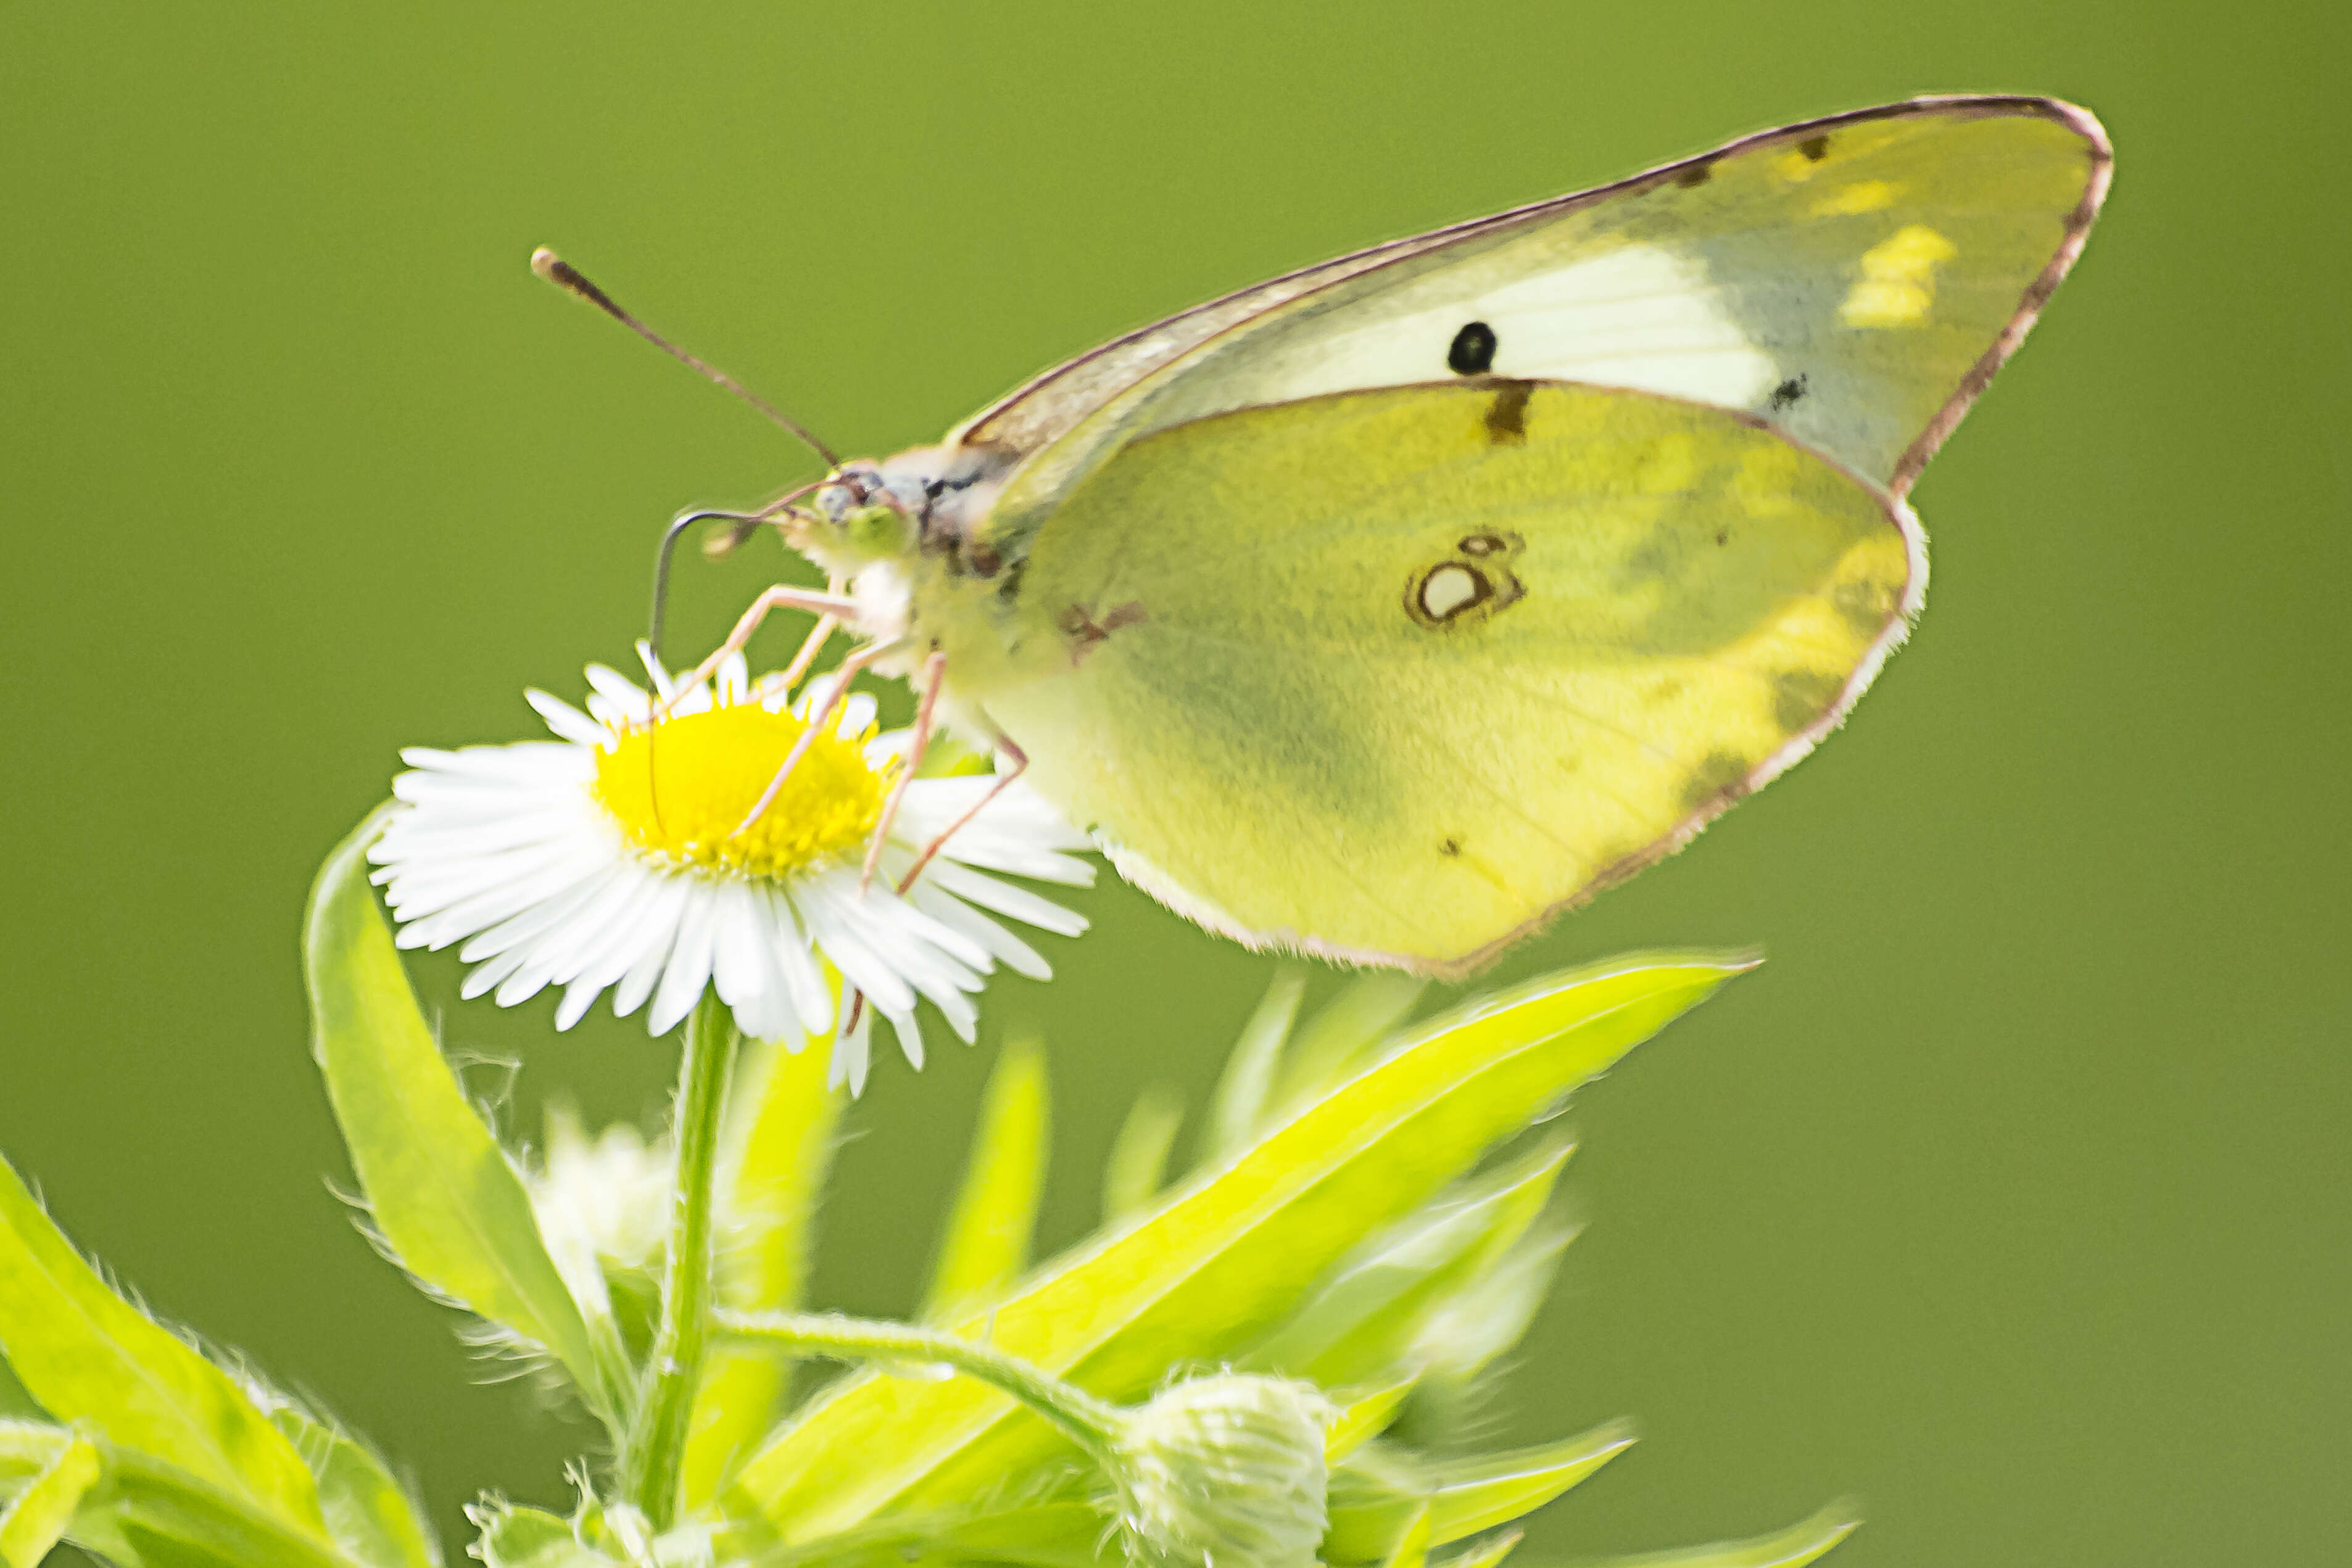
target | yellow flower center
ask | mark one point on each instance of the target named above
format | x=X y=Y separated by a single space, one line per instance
x=681 y=788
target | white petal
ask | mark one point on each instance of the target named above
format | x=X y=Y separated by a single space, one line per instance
x=688 y=970
x=1013 y=953
x=1019 y=904
x=566 y=720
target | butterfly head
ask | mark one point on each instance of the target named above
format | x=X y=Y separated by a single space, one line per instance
x=854 y=520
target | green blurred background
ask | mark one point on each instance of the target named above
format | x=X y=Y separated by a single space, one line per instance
x=2011 y=1194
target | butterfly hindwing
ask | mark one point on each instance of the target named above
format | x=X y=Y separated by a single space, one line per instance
x=1392 y=674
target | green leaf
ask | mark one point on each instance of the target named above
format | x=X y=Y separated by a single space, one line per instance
x=778 y=1150
x=89 y=1356
x=370 y=1516
x=1463 y=1334
x=1138 y=1167
x=995 y=1213
x=441 y=1190
x=1221 y=1259
x=1792 y=1547
x=145 y=1513
x=1337 y=1038
x=1246 y=1086
x=1479 y=1494
x=1363 y=1320
x=37 y=1520
x=1379 y=1491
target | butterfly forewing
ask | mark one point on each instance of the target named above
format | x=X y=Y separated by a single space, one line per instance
x=1852 y=280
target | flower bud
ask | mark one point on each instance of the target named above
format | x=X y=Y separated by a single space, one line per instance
x=602 y=1205
x=1224 y=1471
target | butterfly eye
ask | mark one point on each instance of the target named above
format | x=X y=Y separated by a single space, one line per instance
x=1473 y=353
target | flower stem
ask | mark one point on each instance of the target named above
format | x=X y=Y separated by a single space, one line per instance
x=1093 y=1422
x=654 y=1454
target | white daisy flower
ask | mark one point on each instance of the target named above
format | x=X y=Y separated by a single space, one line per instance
x=611 y=859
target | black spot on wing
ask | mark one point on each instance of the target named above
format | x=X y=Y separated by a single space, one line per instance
x=1692 y=178
x=1789 y=393
x=1815 y=148
x=1472 y=351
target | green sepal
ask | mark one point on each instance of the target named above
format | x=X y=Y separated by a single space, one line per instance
x=37 y=1517
x=90 y=1357
x=1219 y=1261
x=994 y=1216
x=1799 y=1544
x=444 y=1198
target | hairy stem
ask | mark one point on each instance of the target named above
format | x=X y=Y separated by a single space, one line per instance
x=1093 y=1422
x=654 y=1455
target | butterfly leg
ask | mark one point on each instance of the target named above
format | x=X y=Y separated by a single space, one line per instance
x=842 y=675
x=925 y=712
x=819 y=635
x=1019 y=761
x=783 y=596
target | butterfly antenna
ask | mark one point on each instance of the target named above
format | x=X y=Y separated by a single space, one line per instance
x=570 y=279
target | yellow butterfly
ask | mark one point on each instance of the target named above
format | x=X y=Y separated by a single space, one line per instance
x=1385 y=610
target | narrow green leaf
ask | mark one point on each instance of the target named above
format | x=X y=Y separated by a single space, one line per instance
x=145 y=1513
x=1462 y=1335
x=1479 y=1494
x=1486 y=1555
x=1335 y=1040
x=370 y=1516
x=1412 y=1549
x=89 y=1356
x=995 y=1213
x=1792 y=1547
x=778 y=1151
x=1376 y=1493
x=37 y=1520
x=1363 y=1320
x=440 y=1188
x=1223 y=1259
x=1246 y=1089
x=1362 y=1420
x=1138 y=1167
